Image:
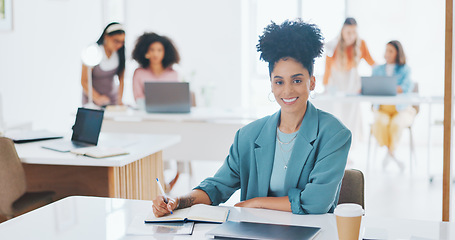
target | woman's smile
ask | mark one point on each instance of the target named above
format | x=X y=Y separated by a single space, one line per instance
x=289 y=101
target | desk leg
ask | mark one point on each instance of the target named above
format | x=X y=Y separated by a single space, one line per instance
x=137 y=179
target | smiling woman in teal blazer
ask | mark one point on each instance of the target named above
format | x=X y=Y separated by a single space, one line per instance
x=293 y=160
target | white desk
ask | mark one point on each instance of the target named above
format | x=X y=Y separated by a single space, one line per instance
x=392 y=100
x=128 y=176
x=411 y=99
x=207 y=134
x=104 y=218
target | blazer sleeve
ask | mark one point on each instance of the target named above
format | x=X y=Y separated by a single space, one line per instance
x=321 y=190
x=226 y=180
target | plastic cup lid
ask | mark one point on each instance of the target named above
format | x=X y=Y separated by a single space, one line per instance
x=348 y=210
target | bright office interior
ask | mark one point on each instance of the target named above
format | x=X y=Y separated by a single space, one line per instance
x=40 y=70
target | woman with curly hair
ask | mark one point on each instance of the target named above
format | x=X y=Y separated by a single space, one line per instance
x=112 y=44
x=155 y=54
x=293 y=160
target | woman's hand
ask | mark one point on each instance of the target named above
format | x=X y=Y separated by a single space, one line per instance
x=250 y=203
x=102 y=100
x=160 y=208
x=399 y=89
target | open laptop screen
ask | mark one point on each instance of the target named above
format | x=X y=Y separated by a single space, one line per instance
x=87 y=126
x=167 y=97
x=379 y=86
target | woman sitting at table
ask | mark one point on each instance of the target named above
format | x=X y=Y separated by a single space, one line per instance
x=155 y=54
x=293 y=160
x=389 y=120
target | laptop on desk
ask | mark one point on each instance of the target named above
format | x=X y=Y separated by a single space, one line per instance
x=86 y=131
x=167 y=97
x=379 y=86
x=251 y=230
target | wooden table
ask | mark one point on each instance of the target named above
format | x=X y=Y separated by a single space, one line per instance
x=129 y=176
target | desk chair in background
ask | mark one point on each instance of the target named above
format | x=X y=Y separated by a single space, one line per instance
x=14 y=200
x=352 y=188
x=412 y=157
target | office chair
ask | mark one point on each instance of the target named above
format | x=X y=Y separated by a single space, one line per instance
x=14 y=200
x=413 y=155
x=352 y=188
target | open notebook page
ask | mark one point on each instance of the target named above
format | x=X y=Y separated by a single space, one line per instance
x=207 y=213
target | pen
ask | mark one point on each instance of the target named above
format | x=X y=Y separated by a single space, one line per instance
x=162 y=192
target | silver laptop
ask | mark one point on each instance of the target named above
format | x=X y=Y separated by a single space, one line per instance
x=167 y=97
x=379 y=86
x=86 y=131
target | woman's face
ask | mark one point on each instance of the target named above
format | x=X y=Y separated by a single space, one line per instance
x=291 y=85
x=155 y=53
x=390 y=54
x=114 y=42
x=349 y=34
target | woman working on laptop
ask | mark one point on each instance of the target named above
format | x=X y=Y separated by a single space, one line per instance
x=155 y=54
x=293 y=160
x=111 y=42
x=389 y=120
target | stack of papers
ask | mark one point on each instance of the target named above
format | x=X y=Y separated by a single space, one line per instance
x=138 y=227
x=196 y=213
x=100 y=152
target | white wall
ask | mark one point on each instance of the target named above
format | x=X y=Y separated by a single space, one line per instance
x=208 y=36
x=40 y=63
x=40 y=59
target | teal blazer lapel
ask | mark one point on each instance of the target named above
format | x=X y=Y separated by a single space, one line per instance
x=265 y=153
x=303 y=146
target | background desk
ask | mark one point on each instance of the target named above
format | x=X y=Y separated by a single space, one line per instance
x=207 y=134
x=104 y=218
x=407 y=99
x=128 y=176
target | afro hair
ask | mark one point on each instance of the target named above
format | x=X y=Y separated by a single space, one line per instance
x=171 y=55
x=296 y=39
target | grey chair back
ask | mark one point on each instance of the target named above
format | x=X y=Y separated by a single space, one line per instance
x=12 y=176
x=352 y=188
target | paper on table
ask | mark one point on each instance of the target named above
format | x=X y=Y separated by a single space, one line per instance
x=100 y=152
x=374 y=234
x=138 y=227
x=196 y=213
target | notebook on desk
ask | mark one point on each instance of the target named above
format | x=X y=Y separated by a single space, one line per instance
x=196 y=213
x=250 y=230
x=86 y=131
x=167 y=97
x=379 y=86
x=25 y=136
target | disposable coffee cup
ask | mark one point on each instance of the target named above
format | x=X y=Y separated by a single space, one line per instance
x=349 y=217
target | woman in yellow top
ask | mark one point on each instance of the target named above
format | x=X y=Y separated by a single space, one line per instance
x=341 y=73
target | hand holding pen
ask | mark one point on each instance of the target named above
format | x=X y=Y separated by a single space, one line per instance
x=163 y=205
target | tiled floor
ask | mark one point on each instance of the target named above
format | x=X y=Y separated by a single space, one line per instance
x=388 y=191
